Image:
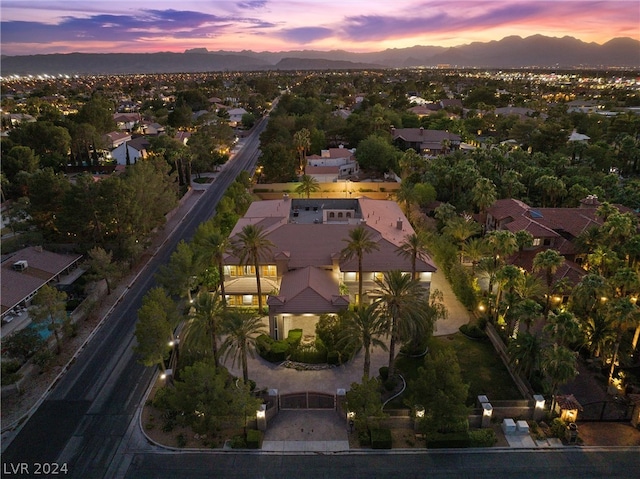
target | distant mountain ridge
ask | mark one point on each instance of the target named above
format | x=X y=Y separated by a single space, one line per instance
x=536 y=51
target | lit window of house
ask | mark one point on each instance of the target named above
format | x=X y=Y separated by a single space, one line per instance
x=537 y=241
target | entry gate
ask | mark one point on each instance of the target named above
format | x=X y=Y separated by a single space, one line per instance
x=307 y=400
x=618 y=410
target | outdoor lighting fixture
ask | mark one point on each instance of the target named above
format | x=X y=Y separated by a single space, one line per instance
x=351 y=415
x=419 y=411
x=262 y=412
x=481 y=307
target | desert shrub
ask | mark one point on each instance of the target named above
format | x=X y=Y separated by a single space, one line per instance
x=558 y=428
x=43 y=357
x=482 y=437
x=254 y=439
x=448 y=440
x=381 y=439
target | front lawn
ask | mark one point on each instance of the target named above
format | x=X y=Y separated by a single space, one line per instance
x=480 y=365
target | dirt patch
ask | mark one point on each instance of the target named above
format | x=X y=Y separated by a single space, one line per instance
x=608 y=433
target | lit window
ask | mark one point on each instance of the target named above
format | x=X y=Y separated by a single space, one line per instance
x=247 y=299
x=537 y=241
x=351 y=276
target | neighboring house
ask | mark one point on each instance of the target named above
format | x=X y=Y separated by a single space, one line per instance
x=127 y=121
x=28 y=270
x=304 y=276
x=332 y=164
x=425 y=142
x=116 y=138
x=137 y=149
x=521 y=112
x=235 y=115
x=153 y=129
x=183 y=136
x=584 y=106
x=18 y=118
x=551 y=228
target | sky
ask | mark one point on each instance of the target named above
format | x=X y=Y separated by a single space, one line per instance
x=143 y=26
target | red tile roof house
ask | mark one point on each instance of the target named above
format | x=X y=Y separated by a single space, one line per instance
x=332 y=164
x=305 y=276
x=551 y=228
x=425 y=142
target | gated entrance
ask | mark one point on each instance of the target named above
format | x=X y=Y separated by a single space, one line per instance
x=307 y=400
x=617 y=410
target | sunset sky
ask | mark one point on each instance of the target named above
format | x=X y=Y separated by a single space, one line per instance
x=33 y=26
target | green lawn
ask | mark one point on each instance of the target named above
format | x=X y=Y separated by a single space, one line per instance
x=481 y=368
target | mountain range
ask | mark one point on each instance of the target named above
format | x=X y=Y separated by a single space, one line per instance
x=536 y=51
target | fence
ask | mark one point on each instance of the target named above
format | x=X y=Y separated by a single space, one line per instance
x=523 y=387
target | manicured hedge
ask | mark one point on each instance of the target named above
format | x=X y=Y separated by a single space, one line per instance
x=333 y=357
x=381 y=439
x=472 y=331
x=254 y=439
x=272 y=350
x=482 y=438
x=448 y=440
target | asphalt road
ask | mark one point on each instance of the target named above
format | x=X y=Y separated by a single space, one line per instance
x=84 y=419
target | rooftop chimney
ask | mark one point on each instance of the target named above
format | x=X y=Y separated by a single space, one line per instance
x=399 y=224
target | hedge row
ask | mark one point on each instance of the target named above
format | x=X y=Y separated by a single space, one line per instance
x=381 y=439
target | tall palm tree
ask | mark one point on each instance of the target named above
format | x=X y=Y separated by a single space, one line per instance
x=241 y=326
x=362 y=329
x=302 y=142
x=211 y=245
x=559 y=365
x=251 y=246
x=413 y=246
x=407 y=194
x=525 y=352
x=622 y=313
x=403 y=304
x=548 y=261
x=563 y=328
x=526 y=311
x=359 y=243
x=599 y=334
x=484 y=195
x=308 y=184
x=202 y=329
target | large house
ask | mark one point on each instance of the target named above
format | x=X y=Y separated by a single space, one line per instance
x=305 y=275
x=332 y=164
x=425 y=142
x=551 y=228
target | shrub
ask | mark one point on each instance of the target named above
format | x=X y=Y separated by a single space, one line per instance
x=254 y=439
x=364 y=438
x=10 y=372
x=294 y=337
x=237 y=442
x=472 y=331
x=181 y=440
x=43 y=357
x=462 y=285
x=390 y=384
x=310 y=356
x=333 y=357
x=558 y=428
x=448 y=440
x=384 y=373
x=381 y=439
x=272 y=350
x=482 y=438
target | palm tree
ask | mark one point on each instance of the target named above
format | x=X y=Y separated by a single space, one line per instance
x=526 y=311
x=362 y=329
x=211 y=246
x=201 y=331
x=460 y=228
x=484 y=195
x=403 y=305
x=525 y=352
x=308 y=184
x=475 y=249
x=622 y=313
x=412 y=248
x=563 y=328
x=359 y=243
x=548 y=261
x=406 y=194
x=302 y=142
x=252 y=246
x=241 y=326
x=559 y=366
x=598 y=334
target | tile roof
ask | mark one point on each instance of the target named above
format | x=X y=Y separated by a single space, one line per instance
x=308 y=290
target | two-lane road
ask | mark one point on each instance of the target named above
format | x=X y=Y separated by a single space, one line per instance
x=83 y=420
